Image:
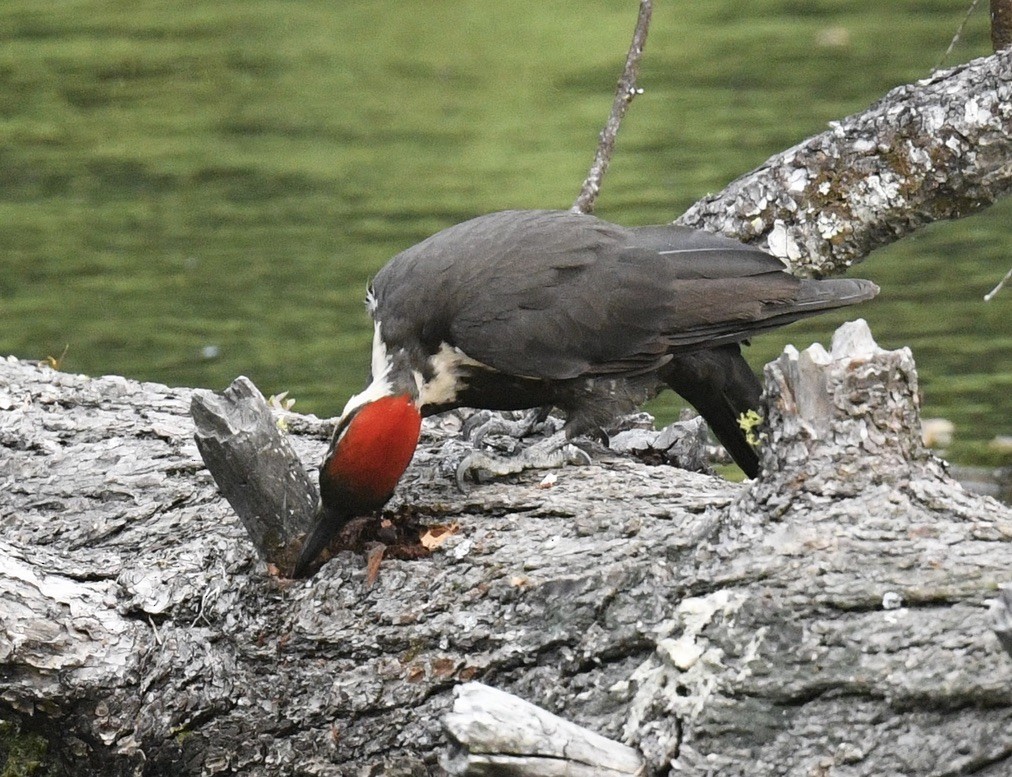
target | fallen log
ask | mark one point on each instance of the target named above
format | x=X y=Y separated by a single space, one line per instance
x=833 y=614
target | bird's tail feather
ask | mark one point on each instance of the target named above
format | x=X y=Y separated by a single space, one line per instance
x=832 y=293
x=816 y=297
x=722 y=387
x=813 y=297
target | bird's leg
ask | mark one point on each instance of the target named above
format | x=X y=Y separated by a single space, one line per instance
x=483 y=423
x=550 y=453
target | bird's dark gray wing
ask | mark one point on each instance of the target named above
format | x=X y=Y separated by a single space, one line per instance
x=550 y=294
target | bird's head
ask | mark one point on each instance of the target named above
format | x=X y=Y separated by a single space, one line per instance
x=372 y=446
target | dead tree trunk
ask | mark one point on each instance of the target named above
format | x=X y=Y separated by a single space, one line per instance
x=833 y=614
x=829 y=618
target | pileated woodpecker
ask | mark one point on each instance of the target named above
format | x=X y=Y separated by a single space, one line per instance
x=526 y=309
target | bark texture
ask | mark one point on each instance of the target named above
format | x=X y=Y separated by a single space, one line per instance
x=830 y=618
x=255 y=468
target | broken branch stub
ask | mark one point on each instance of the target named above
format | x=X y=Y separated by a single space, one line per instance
x=497 y=733
x=255 y=468
x=841 y=421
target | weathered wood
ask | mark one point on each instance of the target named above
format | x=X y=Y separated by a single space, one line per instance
x=805 y=623
x=255 y=468
x=495 y=733
x=1001 y=617
x=833 y=414
x=936 y=149
x=683 y=444
x=722 y=628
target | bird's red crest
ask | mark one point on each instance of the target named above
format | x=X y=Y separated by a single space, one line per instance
x=376 y=448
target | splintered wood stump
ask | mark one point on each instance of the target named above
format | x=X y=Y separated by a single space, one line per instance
x=842 y=422
x=255 y=468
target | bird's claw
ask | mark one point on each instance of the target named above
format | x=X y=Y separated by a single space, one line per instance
x=485 y=422
x=552 y=453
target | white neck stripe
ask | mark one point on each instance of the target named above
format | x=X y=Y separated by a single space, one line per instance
x=380 y=385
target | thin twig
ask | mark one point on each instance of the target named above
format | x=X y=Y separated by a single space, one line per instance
x=154 y=629
x=624 y=93
x=990 y=295
x=958 y=35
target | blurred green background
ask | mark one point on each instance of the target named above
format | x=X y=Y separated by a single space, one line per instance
x=197 y=189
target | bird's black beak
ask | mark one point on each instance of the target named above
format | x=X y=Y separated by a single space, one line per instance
x=326 y=526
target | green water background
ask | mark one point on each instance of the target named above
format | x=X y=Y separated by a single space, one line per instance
x=199 y=189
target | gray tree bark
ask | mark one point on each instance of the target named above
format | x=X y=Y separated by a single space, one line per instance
x=937 y=149
x=830 y=618
x=832 y=615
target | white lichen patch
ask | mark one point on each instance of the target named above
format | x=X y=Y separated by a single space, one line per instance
x=797 y=180
x=975 y=115
x=880 y=192
x=781 y=244
x=756 y=206
x=829 y=225
x=874 y=194
x=933 y=118
x=953 y=144
x=681 y=653
x=918 y=157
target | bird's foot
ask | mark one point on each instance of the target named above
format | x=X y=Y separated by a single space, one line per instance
x=623 y=423
x=554 y=452
x=486 y=422
x=682 y=444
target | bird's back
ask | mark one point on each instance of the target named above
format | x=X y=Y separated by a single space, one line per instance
x=557 y=295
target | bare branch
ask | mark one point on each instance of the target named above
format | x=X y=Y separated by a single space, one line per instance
x=936 y=149
x=1001 y=284
x=624 y=94
x=959 y=34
